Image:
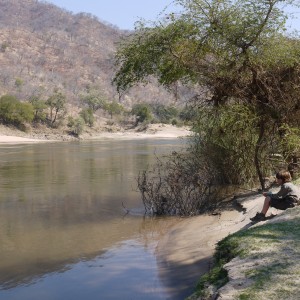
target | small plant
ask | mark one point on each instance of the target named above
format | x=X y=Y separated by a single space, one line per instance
x=87 y=115
x=19 y=83
x=4 y=46
x=76 y=125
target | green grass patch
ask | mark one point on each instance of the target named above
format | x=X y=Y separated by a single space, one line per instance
x=226 y=250
x=274 y=243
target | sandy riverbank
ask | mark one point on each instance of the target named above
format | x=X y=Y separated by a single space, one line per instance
x=153 y=131
x=185 y=252
x=8 y=139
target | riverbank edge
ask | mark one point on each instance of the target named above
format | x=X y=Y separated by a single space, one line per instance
x=13 y=135
x=241 y=269
x=219 y=294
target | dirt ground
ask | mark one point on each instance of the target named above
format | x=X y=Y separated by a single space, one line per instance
x=185 y=252
x=9 y=135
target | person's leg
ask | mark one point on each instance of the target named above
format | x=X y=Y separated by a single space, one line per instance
x=262 y=215
x=266 y=205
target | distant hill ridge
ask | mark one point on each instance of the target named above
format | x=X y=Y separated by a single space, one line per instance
x=43 y=47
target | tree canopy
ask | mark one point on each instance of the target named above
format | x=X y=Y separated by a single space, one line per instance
x=235 y=53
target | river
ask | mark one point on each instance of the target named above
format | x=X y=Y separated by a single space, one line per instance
x=64 y=232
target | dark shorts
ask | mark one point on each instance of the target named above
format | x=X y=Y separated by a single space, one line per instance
x=283 y=203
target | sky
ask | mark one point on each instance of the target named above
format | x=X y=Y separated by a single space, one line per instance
x=124 y=13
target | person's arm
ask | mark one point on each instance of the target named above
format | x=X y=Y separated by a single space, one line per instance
x=284 y=190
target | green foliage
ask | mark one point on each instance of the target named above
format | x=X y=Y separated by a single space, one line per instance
x=174 y=122
x=76 y=125
x=57 y=104
x=94 y=99
x=142 y=111
x=147 y=52
x=188 y=114
x=87 y=115
x=217 y=130
x=288 y=144
x=39 y=107
x=18 y=83
x=12 y=111
x=114 y=108
x=216 y=277
x=163 y=113
x=226 y=250
x=23 y=113
x=71 y=121
x=236 y=53
x=208 y=40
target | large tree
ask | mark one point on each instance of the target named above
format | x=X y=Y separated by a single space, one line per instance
x=234 y=53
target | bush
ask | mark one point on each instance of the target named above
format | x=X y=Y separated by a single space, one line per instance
x=14 y=112
x=71 y=122
x=164 y=113
x=174 y=122
x=87 y=115
x=142 y=111
x=76 y=125
x=179 y=184
x=114 y=108
x=188 y=114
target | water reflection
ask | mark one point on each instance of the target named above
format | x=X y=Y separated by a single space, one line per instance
x=123 y=272
x=63 y=233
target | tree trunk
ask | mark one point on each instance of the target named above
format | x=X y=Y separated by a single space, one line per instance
x=256 y=154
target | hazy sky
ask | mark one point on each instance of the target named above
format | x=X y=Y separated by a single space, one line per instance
x=124 y=13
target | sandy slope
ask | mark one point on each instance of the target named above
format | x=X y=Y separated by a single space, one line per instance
x=185 y=253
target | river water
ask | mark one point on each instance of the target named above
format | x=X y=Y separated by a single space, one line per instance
x=64 y=233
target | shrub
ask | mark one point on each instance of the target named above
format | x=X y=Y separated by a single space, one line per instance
x=14 y=112
x=178 y=184
x=76 y=125
x=87 y=115
x=142 y=111
x=164 y=113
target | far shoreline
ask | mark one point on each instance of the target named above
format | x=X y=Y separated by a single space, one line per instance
x=162 y=131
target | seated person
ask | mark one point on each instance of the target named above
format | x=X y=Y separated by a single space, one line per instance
x=287 y=197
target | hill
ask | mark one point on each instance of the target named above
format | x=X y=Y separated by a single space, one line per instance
x=43 y=47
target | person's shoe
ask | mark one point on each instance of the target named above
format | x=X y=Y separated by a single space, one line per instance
x=258 y=217
x=271 y=216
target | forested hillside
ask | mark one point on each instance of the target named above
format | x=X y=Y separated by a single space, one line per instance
x=45 y=48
